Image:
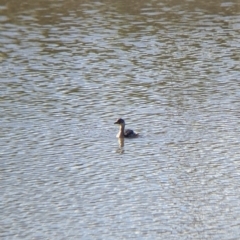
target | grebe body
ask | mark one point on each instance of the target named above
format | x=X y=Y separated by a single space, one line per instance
x=124 y=133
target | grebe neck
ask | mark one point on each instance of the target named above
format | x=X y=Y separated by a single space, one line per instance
x=121 y=131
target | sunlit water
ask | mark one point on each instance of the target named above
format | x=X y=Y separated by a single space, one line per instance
x=69 y=69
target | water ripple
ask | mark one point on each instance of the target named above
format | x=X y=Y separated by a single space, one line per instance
x=68 y=71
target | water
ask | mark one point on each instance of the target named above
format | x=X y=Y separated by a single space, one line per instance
x=69 y=69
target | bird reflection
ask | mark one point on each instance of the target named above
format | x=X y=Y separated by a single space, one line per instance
x=120 y=146
x=121 y=142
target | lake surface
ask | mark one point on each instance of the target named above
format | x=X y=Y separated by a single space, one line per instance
x=69 y=69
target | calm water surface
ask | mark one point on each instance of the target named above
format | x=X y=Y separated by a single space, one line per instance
x=69 y=69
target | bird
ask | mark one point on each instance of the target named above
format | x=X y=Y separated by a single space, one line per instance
x=128 y=133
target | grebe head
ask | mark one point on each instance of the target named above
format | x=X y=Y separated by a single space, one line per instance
x=120 y=121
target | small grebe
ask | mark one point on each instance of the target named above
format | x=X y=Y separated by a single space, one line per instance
x=128 y=133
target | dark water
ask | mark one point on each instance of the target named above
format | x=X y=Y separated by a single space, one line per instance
x=170 y=69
